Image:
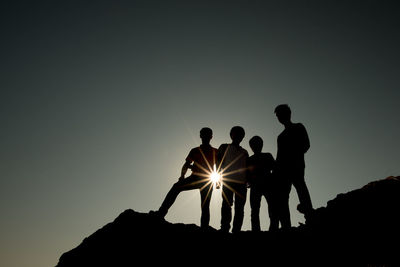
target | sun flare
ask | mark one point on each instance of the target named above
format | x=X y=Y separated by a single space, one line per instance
x=215 y=177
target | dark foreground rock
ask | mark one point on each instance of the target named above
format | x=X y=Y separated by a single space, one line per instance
x=359 y=228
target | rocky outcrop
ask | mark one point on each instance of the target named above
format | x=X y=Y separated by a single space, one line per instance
x=361 y=227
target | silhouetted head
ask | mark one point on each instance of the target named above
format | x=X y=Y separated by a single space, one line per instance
x=283 y=113
x=206 y=134
x=256 y=144
x=237 y=134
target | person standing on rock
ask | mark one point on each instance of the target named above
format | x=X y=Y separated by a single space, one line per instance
x=261 y=182
x=293 y=143
x=232 y=160
x=201 y=161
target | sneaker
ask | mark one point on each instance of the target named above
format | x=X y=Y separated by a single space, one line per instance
x=156 y=213
x=224 y=230
x=303 y=210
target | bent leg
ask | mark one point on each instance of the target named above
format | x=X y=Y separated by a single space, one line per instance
x=170 y=199
x=188 y=183
x=302 y=192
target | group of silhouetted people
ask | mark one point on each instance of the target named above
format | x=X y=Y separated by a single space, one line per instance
x=264 y=175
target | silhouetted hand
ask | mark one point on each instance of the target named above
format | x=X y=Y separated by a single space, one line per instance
x=181 y=178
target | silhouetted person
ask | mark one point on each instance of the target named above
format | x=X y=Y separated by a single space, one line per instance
x=201 y=161
x=260 y=180
x=293 y=143
x=232 y=158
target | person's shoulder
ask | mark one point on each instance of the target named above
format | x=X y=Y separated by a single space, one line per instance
x=212 y=149
x=268 y=156
x=251 y=161
x=252 y=157
x=192 y=154
x=299 y=125
x=223 y=146
x=194 y=150
x=244 y=151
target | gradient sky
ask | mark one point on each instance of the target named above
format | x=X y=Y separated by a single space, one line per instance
x=102 y=101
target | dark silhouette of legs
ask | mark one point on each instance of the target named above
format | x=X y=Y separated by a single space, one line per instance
x=237 y=197
x=170 y=198
x=189 y=183
x=226 y=210
x=205 y=195
x=255 y=203
x=273 y=211
x=284 y=212
x=302 y=192
x=240 y=201
x=281 y=200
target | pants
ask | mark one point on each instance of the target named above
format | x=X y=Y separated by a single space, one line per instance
x=233 y=193
x=282 y=203
x=190 y=183
x=256 y=194
x=302 y=191
x=287 y=178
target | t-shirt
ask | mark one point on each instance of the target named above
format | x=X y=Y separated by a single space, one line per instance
x=259 y=167
x=233 y=162
x=204 y=158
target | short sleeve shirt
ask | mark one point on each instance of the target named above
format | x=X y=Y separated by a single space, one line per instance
x=203 y=158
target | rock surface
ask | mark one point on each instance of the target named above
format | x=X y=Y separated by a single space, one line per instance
x=361 y=227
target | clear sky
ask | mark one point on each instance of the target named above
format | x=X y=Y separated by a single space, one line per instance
x=102 y=101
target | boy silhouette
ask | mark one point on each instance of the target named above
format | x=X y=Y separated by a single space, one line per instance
x=293 y=143
x=201 y=161
x=232 y=160
x=259 y=177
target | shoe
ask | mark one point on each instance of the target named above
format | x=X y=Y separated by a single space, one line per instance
x=300 y=208
x=224 y=230
x=156 y=214
x=303 y=210
x=236 y=231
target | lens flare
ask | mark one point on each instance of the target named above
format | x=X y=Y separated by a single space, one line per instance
x=215 y=177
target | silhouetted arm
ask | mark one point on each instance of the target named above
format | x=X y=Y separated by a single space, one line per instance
x=305 y=139
x=185 y=168
x=188 y=164
x=271 y=162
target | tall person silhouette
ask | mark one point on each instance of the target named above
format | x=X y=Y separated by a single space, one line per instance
x=232 y=160
x=293 y=143
x=201 y=161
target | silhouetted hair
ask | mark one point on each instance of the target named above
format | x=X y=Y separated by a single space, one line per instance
x=238 y=132
x=256 y=143
x=283 y=109
x=206 y=132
